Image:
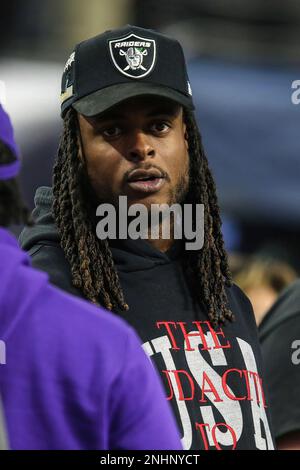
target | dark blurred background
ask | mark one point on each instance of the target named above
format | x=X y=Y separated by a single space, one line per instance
x=243 y=56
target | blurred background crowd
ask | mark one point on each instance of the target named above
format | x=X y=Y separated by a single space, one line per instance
x=243 y=56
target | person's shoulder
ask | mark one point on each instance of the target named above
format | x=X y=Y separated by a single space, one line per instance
x=242 y=309
x=84 y=317
x=279 y=335
x=82 y=334
x=238 y=300
x=44 y=229
x=50 y=305
x=50 y=258
x=285 y=309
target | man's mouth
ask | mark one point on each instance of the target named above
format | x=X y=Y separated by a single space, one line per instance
x=146 y=181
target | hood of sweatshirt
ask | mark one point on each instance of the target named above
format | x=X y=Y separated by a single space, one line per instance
x=129 y=255
x=44 y=228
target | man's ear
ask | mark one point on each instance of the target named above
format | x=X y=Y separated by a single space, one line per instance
x=79 y=142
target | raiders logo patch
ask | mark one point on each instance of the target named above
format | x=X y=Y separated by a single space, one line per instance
x=133 y=56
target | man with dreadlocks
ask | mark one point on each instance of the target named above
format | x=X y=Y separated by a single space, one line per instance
x=129 y=130
x=67 y=387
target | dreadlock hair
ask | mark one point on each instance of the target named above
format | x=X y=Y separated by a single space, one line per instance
x=12 y=207
x=90 y=259
x=207 y=269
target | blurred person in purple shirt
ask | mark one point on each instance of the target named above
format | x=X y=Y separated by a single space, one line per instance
x=72 y=376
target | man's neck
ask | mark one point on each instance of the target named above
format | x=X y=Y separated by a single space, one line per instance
x=161 y=244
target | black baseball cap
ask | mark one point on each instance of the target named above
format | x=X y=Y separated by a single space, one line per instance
x=122 y=63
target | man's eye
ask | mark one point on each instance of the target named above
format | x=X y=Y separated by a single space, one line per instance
x=160 y=126
x=112 y=131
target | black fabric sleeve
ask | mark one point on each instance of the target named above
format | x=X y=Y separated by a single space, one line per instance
x=281 y=355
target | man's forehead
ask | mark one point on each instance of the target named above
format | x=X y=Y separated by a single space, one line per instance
x=148 y=105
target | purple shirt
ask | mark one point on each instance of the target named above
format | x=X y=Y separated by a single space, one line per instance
x=8 y=170
x=75 y=376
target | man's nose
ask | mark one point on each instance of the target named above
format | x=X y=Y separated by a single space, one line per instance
x=139 y=146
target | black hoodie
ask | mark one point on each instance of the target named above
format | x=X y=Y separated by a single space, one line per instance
x=279 y=334
x=212 y=377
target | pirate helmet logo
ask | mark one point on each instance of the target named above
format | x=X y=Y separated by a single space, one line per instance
x=133 y=56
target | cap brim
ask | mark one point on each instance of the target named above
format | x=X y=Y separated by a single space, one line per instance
x=102 y=100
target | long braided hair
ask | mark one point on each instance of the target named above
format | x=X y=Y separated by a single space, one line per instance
x=90 y=259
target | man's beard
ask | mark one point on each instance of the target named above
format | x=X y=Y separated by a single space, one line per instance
x=178 y=194
x=175 y=195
